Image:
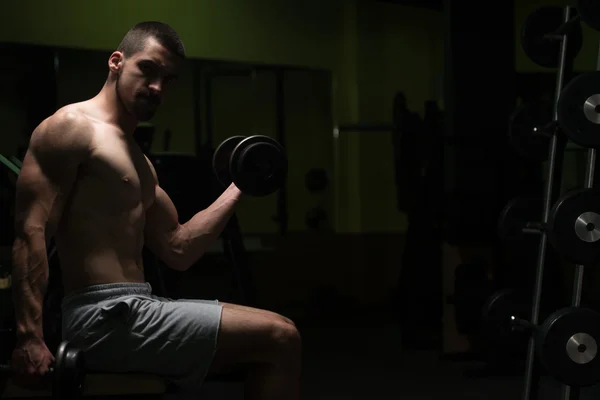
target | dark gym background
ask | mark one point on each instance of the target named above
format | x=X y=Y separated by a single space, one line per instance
x=362 y=246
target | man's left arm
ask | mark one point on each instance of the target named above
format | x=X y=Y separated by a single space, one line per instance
x=181 y=245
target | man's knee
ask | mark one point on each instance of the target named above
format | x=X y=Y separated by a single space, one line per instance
x=285 y=336
x=288 y=321
x=247 y=337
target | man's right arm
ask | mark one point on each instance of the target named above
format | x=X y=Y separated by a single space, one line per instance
x=56 y=149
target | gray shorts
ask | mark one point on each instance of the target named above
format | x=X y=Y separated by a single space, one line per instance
x=122 y=327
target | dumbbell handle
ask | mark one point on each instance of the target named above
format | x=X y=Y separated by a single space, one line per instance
x=7 y=369
x=534 y=227
x=547 y=130
x=521 y=324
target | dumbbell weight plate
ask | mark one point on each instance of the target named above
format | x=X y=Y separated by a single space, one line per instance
x=539 y=48
x=516 y=214
x=567 y=346
x=69 y=372
x=258 y=165
x=497 y=323
x=574 y=226
x=524 y=132
x=222 y=157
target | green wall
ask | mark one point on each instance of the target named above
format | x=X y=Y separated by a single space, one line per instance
x=267 y=31
x=386 y=48
x=246 y=105
x=346 y=149
x=400 y=49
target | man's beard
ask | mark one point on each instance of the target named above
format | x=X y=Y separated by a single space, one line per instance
x=141 y=110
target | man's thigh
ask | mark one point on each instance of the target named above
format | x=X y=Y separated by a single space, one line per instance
x=256 y=310
x=233 y=306
x=174 y=339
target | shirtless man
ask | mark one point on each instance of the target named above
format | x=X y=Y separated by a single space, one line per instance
x=86 y=183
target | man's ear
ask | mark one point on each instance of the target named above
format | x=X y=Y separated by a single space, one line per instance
x=115 y=61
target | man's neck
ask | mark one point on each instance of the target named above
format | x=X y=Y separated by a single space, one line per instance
x=114 y=112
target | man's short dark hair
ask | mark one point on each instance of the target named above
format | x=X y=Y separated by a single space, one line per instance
x=135 y=40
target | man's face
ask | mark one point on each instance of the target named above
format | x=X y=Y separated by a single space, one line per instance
x=144 y=78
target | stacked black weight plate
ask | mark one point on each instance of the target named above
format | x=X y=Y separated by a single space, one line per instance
x=539 y=41
x=579 y=110
x=574 y=226
x=589 y=11
x=567 y=346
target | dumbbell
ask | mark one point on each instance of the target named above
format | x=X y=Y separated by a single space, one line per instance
x=67 y=374
x=256 y=164
x=542 y=32
x=498 y=327
x=516 y=218
x=573 y=225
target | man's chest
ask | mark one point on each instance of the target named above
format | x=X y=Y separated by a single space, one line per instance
x=121 y=172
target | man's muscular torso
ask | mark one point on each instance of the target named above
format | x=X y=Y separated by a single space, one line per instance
x=100 y=234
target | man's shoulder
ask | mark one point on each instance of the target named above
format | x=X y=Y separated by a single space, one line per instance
x=69 y=116
x=68 y=127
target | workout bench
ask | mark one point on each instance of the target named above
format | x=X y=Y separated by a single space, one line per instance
x=101 y=384
x=115 y=384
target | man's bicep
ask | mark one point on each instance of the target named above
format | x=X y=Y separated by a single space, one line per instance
x=162 y=223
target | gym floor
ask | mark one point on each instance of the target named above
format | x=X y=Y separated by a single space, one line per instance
x=360 y=357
